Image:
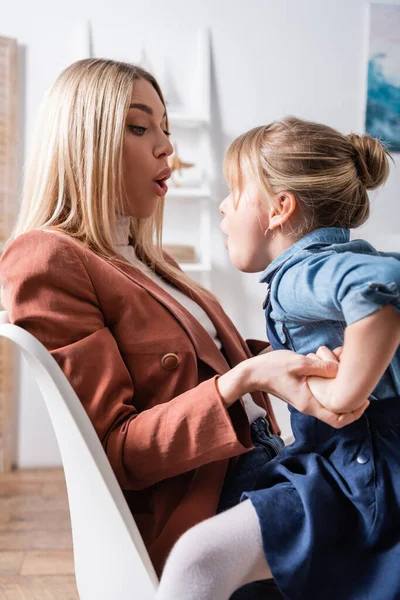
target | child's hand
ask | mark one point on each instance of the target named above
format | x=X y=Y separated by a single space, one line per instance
x=321 y=388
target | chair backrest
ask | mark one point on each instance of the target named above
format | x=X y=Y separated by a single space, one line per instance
x=111 y=561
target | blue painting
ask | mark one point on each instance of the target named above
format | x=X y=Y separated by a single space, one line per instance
x=383 y=100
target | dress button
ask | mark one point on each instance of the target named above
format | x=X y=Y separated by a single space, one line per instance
x=362 y=459
x=170 y=361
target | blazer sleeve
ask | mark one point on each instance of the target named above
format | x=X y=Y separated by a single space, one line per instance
x=257 y=346
x=48 y=292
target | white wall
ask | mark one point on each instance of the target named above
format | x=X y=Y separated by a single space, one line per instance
x=270 y=58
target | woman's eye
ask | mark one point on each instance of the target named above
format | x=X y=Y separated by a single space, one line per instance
x=167 y=133
x=137 y=130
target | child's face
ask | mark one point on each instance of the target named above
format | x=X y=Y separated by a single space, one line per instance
x=245 y=225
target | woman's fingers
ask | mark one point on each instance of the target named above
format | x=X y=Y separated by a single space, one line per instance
x=325 y=354
x=339 y=420
x=354 y=414
x=287 y=379
x=316 y=367
x=338 y=352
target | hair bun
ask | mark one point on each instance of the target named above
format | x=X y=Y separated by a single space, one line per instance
x=370 y=159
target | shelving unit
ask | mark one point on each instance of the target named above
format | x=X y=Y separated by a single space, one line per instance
x=187 y=120
x=195 y=192
x=194 y=122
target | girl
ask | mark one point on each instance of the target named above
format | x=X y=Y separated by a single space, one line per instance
x=324 y=517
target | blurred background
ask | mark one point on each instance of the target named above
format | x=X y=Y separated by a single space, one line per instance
x=225 y=66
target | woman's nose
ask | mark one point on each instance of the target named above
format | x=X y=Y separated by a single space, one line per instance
x=170 y=148
x=165 y=147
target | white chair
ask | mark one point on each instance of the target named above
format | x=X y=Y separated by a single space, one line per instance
x=111 y=561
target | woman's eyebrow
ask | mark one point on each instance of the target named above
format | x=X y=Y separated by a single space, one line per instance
x=145 y=108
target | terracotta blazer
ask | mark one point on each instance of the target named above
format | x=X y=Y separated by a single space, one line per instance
x=144 y=369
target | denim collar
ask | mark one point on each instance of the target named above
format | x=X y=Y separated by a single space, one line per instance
x=326 y=235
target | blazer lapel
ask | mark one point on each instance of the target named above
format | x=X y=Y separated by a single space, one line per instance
x=232 y=342
x=205 y=348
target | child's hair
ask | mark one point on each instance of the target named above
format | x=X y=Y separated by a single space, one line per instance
x=327 y=172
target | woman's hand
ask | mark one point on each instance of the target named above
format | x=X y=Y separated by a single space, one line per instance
x=284 y=374
x=289 y=381
x=322 y=389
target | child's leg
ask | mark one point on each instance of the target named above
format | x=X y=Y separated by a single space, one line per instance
x=216 y=557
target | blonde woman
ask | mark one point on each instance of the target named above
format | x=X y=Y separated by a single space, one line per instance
x=324 y=517
x=160 y=369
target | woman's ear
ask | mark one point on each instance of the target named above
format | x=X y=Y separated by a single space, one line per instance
x=284 y=206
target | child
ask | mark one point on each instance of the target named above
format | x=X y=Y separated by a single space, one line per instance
x=324 y=518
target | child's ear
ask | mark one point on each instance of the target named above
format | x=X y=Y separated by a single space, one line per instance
x=284 y=206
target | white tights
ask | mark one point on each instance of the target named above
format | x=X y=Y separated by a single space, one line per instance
x=216 y=557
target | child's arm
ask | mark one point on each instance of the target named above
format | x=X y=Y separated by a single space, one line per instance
x=363 y=291
x=369 y=346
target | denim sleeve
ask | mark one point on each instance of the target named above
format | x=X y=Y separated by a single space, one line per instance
x=390 y=254
x=343 y=287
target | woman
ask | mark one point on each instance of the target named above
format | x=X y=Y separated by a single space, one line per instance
x=153 y=358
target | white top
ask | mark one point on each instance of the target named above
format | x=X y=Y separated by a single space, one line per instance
x=123 y=247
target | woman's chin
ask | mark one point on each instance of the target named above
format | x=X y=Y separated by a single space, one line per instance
x=144 y=212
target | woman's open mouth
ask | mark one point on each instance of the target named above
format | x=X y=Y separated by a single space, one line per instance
x=160 y=187
x=159 y=181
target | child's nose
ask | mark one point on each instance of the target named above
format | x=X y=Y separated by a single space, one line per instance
x=222 y=206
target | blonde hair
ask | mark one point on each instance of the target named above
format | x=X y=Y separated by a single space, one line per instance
x=327 y=172
x=74 y=176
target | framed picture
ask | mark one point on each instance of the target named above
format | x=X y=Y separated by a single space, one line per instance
x=383 y=95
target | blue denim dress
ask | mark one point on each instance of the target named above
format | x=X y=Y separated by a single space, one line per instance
x=329 y=504
x=266 y=446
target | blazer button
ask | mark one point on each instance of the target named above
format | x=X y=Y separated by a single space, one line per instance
x=170 y=361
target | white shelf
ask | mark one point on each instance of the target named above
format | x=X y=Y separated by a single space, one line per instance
x=189 y=192
x=195 y=267
x=187 y=120
x=192 y=125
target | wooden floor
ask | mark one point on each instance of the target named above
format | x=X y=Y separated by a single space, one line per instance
x=35 y=537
